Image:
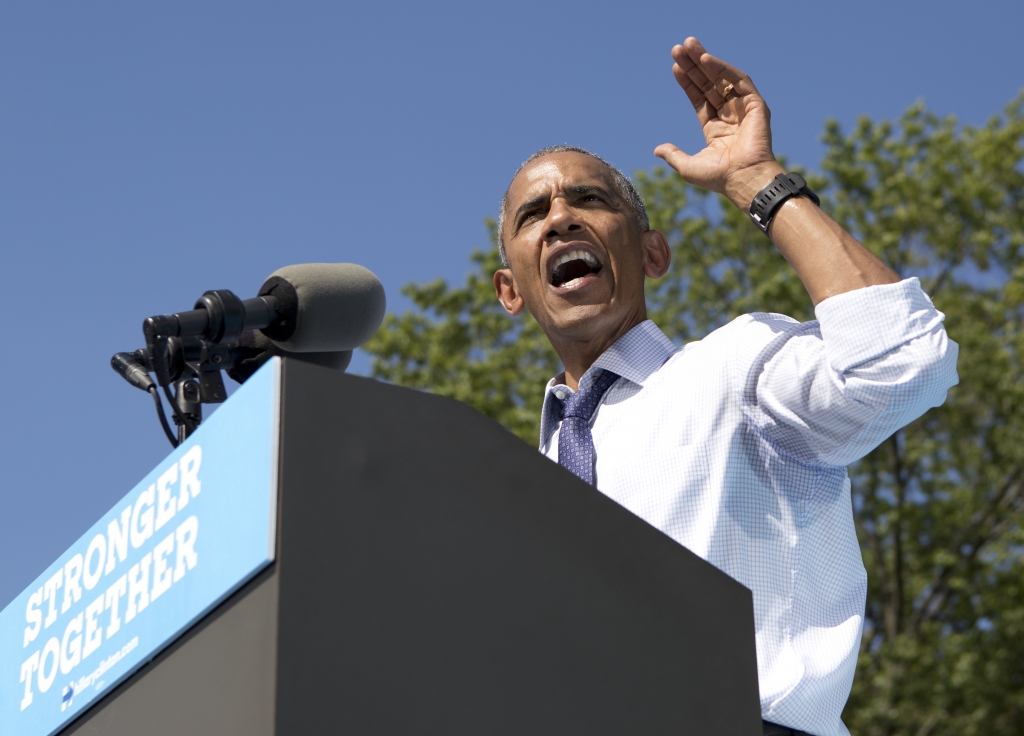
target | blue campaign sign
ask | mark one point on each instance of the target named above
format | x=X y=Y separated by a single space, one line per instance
x=196 y=528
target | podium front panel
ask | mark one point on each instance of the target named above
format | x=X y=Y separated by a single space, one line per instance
x=440 y=576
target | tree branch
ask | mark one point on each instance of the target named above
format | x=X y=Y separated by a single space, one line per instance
x=928 y=725
x=986 y=525
x=899 y=476
x=875 y=540
x=947 y=270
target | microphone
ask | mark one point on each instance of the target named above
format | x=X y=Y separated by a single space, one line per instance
x=324 y=323
x=131 y=367
x=305 y=308
x=313 y=312
x=323 y=307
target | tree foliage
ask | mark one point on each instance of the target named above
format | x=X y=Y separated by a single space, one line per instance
x=939 y=505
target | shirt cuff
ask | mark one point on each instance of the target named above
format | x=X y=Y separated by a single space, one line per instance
x=864 y=324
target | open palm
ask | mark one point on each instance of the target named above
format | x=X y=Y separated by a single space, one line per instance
x=735 y=121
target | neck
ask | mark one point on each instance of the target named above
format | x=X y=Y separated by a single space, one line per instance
x=578 y=355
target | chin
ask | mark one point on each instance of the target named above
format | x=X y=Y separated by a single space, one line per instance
x=580 y=320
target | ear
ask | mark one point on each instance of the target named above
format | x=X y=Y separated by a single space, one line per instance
x=657 y=254
x=507 y=292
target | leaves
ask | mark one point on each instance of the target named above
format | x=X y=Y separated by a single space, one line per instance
x=939 y=505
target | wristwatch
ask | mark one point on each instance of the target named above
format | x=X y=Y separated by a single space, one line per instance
x=769 y=199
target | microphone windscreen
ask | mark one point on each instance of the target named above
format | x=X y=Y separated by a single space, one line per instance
x=338 y=306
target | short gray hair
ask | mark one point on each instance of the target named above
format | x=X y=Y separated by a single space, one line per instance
x=622 y=184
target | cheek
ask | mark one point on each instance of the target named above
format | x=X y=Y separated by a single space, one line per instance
x=527 y=277
x=520 y=260
x=629 y=257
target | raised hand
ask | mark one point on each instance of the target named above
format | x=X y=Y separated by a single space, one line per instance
x=738 y=160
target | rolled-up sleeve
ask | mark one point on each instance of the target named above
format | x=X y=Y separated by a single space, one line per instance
x=828 y=392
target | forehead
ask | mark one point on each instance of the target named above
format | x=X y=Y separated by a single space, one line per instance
x=557 y=169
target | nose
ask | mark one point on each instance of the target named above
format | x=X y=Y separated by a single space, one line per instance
x=562 y=219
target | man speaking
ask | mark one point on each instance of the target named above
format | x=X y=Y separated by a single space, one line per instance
x=736 y=446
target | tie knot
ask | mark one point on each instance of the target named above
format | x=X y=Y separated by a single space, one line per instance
x=581 y=405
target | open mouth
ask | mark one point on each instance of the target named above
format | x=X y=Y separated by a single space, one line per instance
x=572 y=267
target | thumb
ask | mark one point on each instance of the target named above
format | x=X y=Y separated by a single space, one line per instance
x=673 y=157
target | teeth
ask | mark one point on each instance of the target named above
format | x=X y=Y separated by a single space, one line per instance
x=575 y=255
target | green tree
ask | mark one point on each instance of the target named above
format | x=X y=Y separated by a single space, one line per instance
x=939 y=505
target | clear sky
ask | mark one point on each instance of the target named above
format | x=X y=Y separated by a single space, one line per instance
x=149 y=152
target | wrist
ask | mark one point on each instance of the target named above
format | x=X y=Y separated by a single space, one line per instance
x=780 y=191
x=744 y=185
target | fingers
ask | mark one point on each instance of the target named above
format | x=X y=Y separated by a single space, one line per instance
x=693 y=169
x=706 y=79
x=718 y=70
x=698 y=87
x=674 y=157
x=695 y=94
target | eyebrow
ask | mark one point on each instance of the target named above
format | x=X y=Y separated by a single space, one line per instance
x=574 y=189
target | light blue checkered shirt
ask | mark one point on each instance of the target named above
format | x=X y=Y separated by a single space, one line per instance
x=736 y=446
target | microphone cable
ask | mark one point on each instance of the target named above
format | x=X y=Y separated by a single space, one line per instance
x=163 y=416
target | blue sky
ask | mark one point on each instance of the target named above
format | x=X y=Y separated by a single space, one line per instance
x=151 y=152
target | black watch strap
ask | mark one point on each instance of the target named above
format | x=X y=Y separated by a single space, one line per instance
x=769 y=199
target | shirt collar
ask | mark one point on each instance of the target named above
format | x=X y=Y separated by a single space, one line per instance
x=635 y=356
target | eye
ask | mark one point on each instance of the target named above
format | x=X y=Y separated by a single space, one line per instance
x=527 y=216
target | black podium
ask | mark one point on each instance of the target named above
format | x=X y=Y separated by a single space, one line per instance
x=436 y=575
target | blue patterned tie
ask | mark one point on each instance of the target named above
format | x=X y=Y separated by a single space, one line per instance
x=575 y=441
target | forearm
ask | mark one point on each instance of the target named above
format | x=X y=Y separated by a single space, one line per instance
x=828 y=259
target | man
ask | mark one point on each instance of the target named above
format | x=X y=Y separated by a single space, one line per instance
x=736 y=445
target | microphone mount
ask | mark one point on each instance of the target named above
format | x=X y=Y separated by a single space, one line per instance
x=188 y=351
x=314 y=312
